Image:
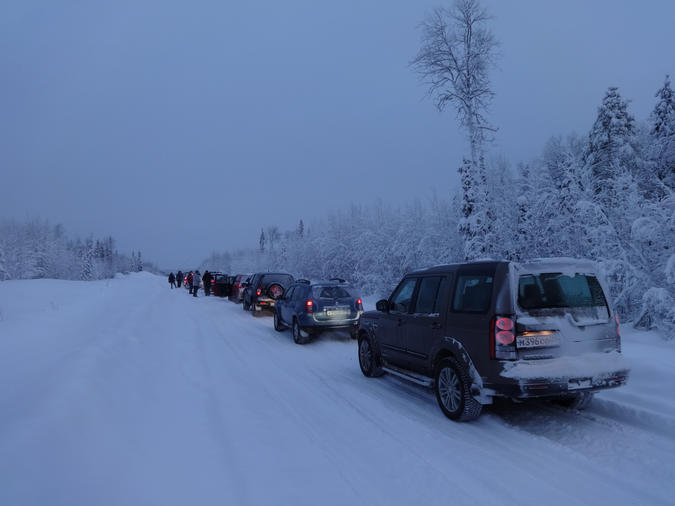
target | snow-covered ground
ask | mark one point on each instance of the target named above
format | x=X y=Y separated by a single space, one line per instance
x=124 y=392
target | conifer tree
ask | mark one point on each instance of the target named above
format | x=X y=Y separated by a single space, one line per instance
x=663 y=135
x=87 y=264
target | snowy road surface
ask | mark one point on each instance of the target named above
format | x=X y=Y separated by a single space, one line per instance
x=124 y=392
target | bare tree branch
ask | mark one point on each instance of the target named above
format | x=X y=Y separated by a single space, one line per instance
x=457 y=52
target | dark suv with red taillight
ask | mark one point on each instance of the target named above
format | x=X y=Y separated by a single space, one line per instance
x=311 y=308
x=239 y=284
x=264 y=289
x=481 y=330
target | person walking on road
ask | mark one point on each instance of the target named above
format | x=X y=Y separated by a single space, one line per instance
x=206 y=278
x=196 y=277
x=172 y=280
x=190 y=281
x=179 y=278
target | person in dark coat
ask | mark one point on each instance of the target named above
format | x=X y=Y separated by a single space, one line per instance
x=206 y=278
x=179 y=278
x=172 y=280
x=196 y=278
x=190 y=280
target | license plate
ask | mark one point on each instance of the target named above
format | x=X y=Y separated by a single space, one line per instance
x=537 y=341
x=336 y=312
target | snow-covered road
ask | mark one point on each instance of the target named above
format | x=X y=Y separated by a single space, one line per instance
x=124 y=392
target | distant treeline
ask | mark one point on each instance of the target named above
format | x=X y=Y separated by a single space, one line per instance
x=607 y=195
x=36 y=249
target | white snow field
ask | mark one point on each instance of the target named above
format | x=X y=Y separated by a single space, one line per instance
x=124 y=392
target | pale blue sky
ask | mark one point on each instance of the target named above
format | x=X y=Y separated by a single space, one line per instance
x=118 y=117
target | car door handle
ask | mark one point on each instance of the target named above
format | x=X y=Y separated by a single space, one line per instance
x=435 y=325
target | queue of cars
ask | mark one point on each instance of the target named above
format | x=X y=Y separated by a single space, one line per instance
x=471 y=332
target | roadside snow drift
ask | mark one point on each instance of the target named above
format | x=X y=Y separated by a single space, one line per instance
x=124 y=392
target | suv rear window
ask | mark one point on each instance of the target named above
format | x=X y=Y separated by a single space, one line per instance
x=330 y=292
x=282 y=279
x=554 y=290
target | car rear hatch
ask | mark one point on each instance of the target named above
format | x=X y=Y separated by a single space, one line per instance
x=562 y=310
x=333 y=303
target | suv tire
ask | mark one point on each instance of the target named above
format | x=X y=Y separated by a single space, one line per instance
x=278 y=326
x=297 y=333
x=453 y=392
x=369 y=359
x=245 y=305
x=579 y=400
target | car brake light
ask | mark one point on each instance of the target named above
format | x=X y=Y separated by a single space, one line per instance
x=618 y=325
x=309 y=306
x=502 y=338
x=213 y=281
x=258 y=292
x=359 y=304
x=618 y=332
x=239 y=285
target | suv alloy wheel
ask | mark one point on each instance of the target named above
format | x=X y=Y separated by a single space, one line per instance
x=453 y=391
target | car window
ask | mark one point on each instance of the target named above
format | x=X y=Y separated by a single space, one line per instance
x=427 y=295
x=473 y=293
x=442 y=296
x=282 y=279
x=400 y=300
x=299 y=292
x=289 y=294
x=582 y=294
x=330 y=292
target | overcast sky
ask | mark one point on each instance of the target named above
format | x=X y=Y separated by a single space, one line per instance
x=181 y=128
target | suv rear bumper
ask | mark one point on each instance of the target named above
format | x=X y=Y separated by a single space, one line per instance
x=263 y=303
x=309 y=324
x=525 y=388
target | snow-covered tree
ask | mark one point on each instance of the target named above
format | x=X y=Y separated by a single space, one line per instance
x=87 y=262
x=457 y=52
x=662 y=149
x=3 y=270
x=611 y=156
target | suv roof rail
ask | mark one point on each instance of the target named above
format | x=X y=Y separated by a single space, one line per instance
x=303 y=281
x=339 y=280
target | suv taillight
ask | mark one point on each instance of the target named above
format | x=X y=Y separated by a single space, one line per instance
x=618 y=332
x=503 y=338
x=359 y=305
x=258 y=292
x=309 y=307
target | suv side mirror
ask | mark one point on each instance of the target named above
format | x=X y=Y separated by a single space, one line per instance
x=382 y=305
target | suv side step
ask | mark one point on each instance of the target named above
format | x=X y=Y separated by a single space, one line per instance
x=409 y=376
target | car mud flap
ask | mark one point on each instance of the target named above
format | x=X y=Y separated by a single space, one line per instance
x=479 y=392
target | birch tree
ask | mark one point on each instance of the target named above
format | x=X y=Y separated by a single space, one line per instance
x=457 y=52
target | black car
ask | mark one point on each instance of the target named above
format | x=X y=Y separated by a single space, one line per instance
x=309 y=308
x=221 y=284
x=480 y=330
x=264 y=289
